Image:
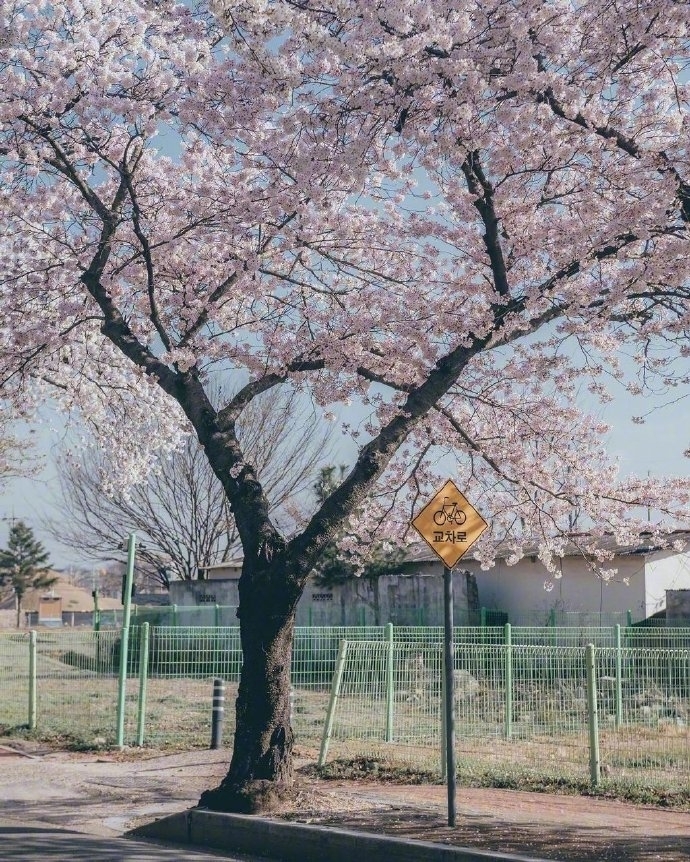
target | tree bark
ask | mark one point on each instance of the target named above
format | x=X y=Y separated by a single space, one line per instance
x=260 y=772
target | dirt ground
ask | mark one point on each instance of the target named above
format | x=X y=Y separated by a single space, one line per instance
x=109 y=793
x=569 y=829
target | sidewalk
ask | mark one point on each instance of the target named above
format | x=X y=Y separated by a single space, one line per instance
x=103 y=796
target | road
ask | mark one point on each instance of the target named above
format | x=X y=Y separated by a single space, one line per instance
x=28 y=843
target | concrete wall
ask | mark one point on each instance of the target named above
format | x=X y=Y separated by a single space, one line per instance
x=216 y=592
x=8 y=619
x=678 y=608
x=403 y=599
x=415 y=595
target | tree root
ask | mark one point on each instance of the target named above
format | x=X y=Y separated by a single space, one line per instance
x=252 y=797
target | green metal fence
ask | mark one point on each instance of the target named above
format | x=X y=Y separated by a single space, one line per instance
x=62 y=683
x=592 y=704
x=208 y=615
x=553 y=618
x=585 y=713
x=15 y=657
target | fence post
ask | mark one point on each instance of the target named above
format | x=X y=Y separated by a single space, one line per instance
x=630 y=619
x=33 y=641
x=335 y=691
x=619 y=679
x=143 y=679
x=389 y=684
x=216 y=615
x=444 y=758
x=124 y=643
x=594 y=760
x=96 y=611
x=174 y=614
x=508 y=680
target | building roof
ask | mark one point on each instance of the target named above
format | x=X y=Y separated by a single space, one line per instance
x=74 y=598
x=420 y=552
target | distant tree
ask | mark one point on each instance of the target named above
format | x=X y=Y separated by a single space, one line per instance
x=24 y=564
x=180 y=511
x=336 y=566
x=328 y=480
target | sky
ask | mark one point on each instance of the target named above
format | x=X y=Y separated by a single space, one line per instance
x=655 y=448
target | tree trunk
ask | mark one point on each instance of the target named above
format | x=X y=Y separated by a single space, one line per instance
x=260 y=771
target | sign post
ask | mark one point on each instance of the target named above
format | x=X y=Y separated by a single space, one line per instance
x=448 y=650
x=449 y=524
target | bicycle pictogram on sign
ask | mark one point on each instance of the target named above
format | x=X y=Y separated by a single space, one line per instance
x=449 y=512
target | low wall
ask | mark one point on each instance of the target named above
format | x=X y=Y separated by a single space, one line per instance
x=8 y=619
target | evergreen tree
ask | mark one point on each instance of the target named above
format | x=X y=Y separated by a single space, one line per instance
x=24 y=564
x=336 y=567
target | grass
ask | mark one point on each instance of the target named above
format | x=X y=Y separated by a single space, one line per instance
x=389 y=771
x=548 y=751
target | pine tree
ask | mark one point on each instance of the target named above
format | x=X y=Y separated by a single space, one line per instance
x=24 y=564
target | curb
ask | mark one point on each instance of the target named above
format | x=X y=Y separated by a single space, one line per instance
x=299 y=842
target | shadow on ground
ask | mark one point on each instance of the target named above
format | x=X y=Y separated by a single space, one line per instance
x=565 y=844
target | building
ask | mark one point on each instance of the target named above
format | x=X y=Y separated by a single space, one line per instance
x=529 y=594
x=407 y=597
x=63 y=604
x=524 y=593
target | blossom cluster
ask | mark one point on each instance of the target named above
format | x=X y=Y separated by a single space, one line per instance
x=454 y=214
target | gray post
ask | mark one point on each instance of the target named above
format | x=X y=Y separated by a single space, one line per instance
x=218 y=713
x=448 y=665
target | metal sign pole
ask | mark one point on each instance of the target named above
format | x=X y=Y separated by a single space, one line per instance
x=448 y=652
x=450 y=525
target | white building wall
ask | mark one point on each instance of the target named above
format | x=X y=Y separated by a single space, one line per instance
x=521 y=587
x=665 y=571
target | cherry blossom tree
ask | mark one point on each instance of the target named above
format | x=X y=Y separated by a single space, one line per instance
x=452 y=217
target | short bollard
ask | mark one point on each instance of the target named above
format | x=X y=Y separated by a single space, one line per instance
x=218 y=713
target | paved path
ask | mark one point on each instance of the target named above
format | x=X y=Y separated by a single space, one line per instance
x=101 y=796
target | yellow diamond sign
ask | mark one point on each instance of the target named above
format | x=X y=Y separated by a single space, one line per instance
x=449 y=524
